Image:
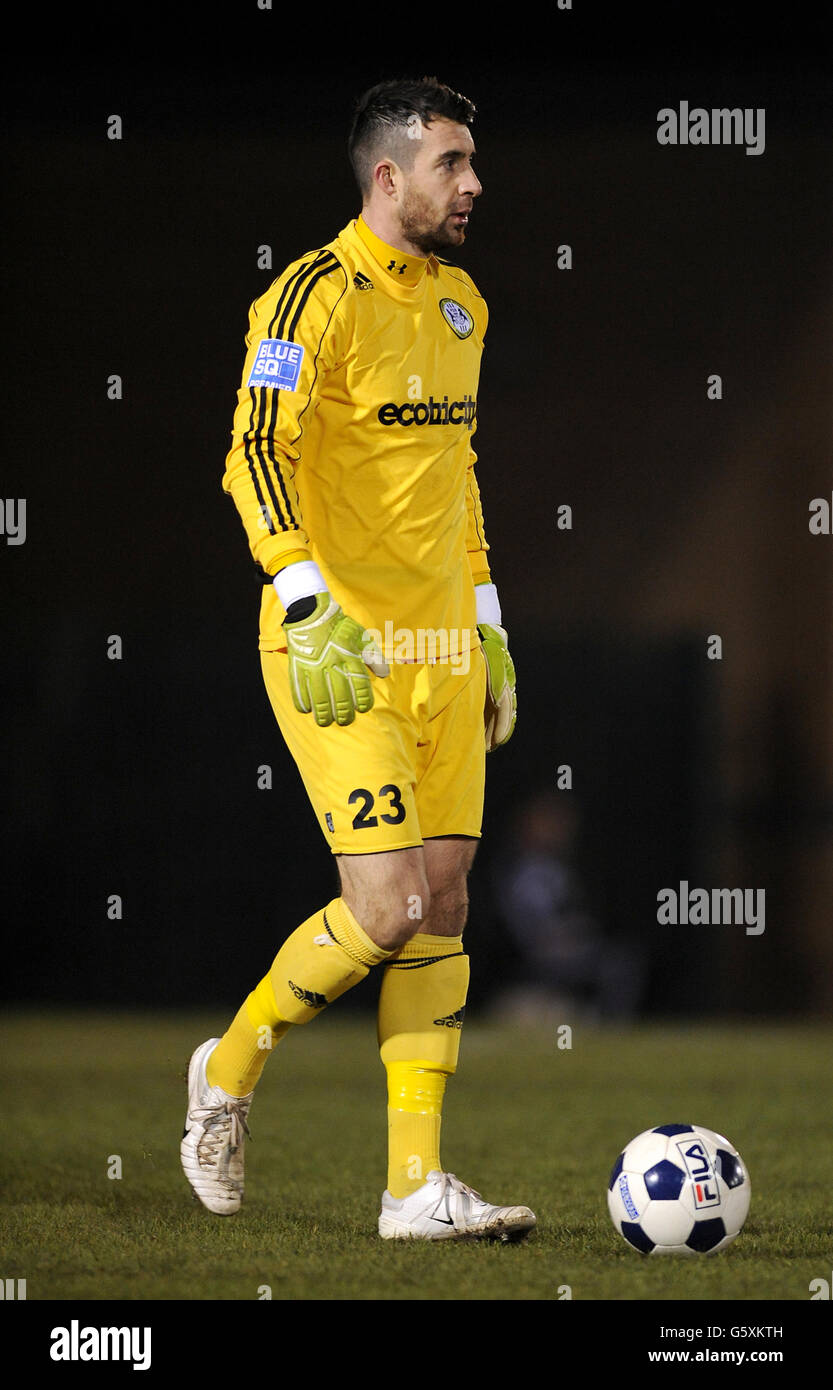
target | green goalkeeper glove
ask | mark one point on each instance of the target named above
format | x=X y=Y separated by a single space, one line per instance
x=329 y=658
x=501 y=708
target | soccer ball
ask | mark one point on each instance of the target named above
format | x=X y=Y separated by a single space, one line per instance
x=679 y=1190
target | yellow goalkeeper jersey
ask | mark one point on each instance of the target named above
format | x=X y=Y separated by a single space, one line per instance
x=352 y=436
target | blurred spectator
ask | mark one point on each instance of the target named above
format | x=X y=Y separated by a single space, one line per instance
x=566 y=963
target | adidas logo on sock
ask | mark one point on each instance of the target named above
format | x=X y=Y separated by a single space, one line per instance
x=308 y=996
x=452 y=1020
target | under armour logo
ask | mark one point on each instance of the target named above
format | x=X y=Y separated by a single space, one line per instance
x=400 y=269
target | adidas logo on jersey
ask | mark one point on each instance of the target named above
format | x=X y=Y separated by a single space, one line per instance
x=308 y=996
x=361 y=282
x=452 y=1020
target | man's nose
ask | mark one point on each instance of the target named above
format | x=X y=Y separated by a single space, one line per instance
x=470 y=184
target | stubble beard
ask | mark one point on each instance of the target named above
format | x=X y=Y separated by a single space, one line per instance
x=420 y=228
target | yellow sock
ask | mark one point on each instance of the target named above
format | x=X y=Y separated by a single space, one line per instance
x=321 y=960
x=421 y=1008
x=239 y=1058
x=415 y=1105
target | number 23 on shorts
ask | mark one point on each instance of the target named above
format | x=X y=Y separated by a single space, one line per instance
x=365 y=818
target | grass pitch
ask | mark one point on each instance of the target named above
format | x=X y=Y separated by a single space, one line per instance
x=525 y=1121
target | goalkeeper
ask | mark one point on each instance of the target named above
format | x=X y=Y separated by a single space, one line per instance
x=352 y=468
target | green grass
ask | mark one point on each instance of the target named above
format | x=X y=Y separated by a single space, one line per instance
x=525 y=1122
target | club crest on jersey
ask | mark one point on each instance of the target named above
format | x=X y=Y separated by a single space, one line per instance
x=278 y=363
x=457 y=317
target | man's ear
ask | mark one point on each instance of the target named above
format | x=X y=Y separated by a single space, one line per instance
x=387 y=177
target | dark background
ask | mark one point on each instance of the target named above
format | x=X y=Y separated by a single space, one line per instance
x=690 y=517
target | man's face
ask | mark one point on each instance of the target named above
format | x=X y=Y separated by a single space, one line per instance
x=439 y=191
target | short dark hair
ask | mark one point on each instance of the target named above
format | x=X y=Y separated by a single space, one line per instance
x=384 y=112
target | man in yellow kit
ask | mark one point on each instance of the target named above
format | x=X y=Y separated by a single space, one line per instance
x=382 y=651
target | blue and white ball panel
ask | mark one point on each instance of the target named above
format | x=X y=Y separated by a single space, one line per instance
x=707 y=1236
x=736 y=1205
x=277 y=363
x=636 y=1237
x=730 y=1168
x=645 y=1150
x=667 y=1223
x=664 y=1182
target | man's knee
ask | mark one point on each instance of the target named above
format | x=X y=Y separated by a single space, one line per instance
x=449 y=908
x=448 y=863
x=392 y=920
x=390 y=903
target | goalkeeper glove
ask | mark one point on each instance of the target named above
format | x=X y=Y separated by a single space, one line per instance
x=501 y=706
x=329 y=659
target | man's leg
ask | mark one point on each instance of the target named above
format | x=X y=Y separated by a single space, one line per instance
x=337 y=946
x=421 y=1009
x=386 y=899
x=319 y=961
x=323 y=958
x=425 y=985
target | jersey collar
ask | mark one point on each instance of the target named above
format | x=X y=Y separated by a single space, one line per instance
x=402 y=269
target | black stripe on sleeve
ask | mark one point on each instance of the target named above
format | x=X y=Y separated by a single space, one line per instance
x=311 y=271
x=260 y=392
x=322 y=266
x=249 y=434
x=271 y=457
x=324 y=270
x=290 y=283
x=252 y=437
x=247 y=450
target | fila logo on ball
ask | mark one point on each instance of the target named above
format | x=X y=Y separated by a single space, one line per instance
x=699 y=1169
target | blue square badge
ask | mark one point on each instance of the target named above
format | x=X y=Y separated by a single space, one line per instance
x=278 y=363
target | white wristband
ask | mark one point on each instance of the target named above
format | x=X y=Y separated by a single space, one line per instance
x=488 y=606
x=300 y=580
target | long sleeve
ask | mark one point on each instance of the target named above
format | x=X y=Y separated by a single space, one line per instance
x=476 y=544
x=292 y=344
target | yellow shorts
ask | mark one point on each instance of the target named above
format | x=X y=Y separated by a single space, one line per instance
x=410 y=769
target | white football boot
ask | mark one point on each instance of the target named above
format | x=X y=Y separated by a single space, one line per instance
x=446 y=1209
x=213 y=1138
